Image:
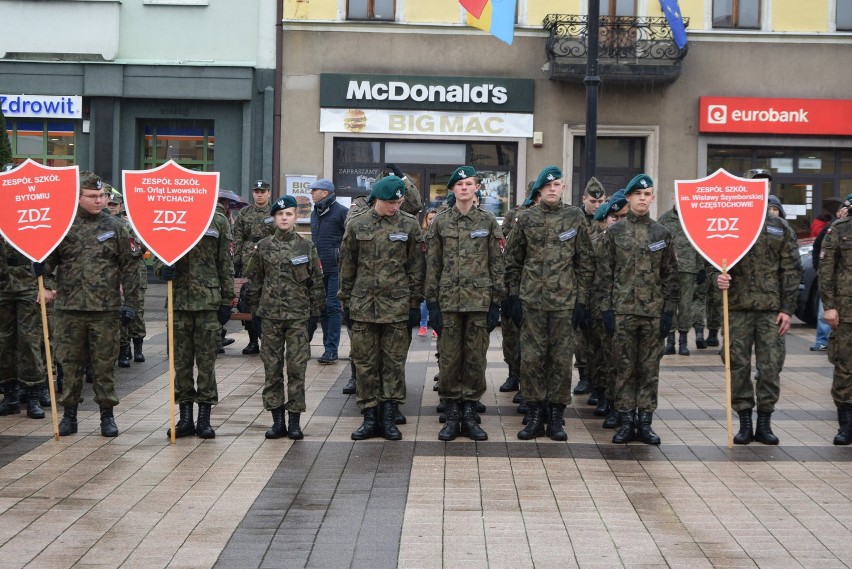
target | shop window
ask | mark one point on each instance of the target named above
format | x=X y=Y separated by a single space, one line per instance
x=370 y=10
x=844 y=15
x=617 y=160
x=188 y=143
x=736 y=14
x=51 y=143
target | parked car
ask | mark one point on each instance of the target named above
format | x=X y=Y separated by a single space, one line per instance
x=807 y=305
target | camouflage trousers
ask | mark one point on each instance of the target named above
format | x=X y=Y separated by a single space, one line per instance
x=79 y=334
x=547 y=343
x=379 y=352
x=599 y=361
x=197 y=336
x=839 y=350
x=463 y=346
x=21 y=339
x=757 y=330
x=284 y=340
x=511 y=350
x=707 y=305
x=581 y=348
x=136 y=329
x=685 y=315
x=638 y=351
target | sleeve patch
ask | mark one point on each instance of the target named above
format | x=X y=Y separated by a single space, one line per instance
x=211 y=233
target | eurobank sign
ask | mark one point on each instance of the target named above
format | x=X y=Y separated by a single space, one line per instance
x=753 y=115
x=480 y=94
x=42 y=106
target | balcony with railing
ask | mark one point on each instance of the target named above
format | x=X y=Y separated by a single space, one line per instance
x=631 y=50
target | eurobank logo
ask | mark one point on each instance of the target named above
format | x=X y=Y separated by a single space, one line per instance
x=775 y=116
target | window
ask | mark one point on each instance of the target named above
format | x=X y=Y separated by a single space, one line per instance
x=51 y=143
x=844 y=15
x=618 y=7
x=186 y=142
x=736 y=14
x=370 y=10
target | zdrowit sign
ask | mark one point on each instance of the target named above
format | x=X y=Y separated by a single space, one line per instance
x=41 y=106
x=750 y=115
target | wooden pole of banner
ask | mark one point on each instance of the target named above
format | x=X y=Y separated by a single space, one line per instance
x=171 y=335
x=727 y=358
x=48 y=357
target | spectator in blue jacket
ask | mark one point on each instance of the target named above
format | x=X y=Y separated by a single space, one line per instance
x=327 y=226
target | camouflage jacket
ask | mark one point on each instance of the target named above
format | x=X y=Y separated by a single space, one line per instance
x=204 y=277
x=286 y=278
x=688 y=259
x=94 y=263
x=768 y=276
x=549 y=258
x=464 y=261
x=835 y=269
x=359 y=206
x=381 y=267
x=637 y=268
x=19 y=270
x=413 y=202
x=253 y=224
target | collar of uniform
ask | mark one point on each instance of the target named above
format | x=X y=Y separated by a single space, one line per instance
x=86 y=216
x=457 y=213
x=378 y=217
x=546 y=207
x=285 y=235
x=636 y=218
x=264 y=209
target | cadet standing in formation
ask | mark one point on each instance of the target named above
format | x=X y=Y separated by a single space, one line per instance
x=464 y=288
x=381 y=287
x=287 y=290
x=253 y=224
x=549 y=270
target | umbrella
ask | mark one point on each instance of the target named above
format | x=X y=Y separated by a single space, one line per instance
x=236 y=201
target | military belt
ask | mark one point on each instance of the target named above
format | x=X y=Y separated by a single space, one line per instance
x=14 y=262
x=256 y=239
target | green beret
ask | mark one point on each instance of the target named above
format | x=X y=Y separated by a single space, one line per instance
x=594 y=188
x=388 y=188
x=283 y=202
x=90 y=181
x=613 y=205
x=642 y=181
x=461 y=173
x=849 y=198
x=549 y=174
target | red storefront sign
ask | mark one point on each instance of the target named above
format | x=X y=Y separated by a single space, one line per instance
x=753 y=115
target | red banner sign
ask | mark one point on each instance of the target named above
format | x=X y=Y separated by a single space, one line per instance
x=170 y=207
x=722 y=215
x=752 y=115
x=37 y=207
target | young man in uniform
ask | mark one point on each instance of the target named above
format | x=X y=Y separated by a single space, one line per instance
x=464 y=288
x=287 y=289
x=381 y=287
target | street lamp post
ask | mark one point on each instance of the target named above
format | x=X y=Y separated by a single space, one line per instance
x=592 y=80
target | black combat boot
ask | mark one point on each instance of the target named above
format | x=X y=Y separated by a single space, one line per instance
x=669 y=349
x=399 y=418
x=253 y=347
x=68 y=424
x=108 y=427
x=278 y=429
x=682 y=344
x=351 y=385
x=124 y=355
x=44 y=394
x=369 y=427
x=89 y=371
x=627 y=428
x=523 y=407
x=535 y=422
x=470 y=423
x=763 y=432
x=597 y=395
x=451 y=427
x=294 y=431
x=186 y=424
x=34 y=410
x=518 y=398
x=713 y=337
x=555 y=430
x=202 y=427
x=138 y=356
x=746 y=434
x=391 y=432
x=844 y=418
x=583 y=386
x=611 y=421
x=11 y=404
x=511 y=384
x=603 y=406
x=700 y=343
x=644 y=431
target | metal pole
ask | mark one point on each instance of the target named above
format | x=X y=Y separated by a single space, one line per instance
x=592 y=80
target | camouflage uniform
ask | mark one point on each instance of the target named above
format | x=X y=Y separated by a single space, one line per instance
x=549 y=266
x=464 y=275
x=835 y=277
x=136 y=330
x=94 y=264
x=381 y=278
x=637 y=279
x=287 y=289
x=511 y=349
x=253 y=224
x=764 y=283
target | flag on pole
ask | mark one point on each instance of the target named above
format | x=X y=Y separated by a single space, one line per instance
x=496 y=17
x=675 y=19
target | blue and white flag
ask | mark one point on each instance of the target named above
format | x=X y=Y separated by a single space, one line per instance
x=675 y=19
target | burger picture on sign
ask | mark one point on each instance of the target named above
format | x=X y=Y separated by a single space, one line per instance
x=354 y=120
